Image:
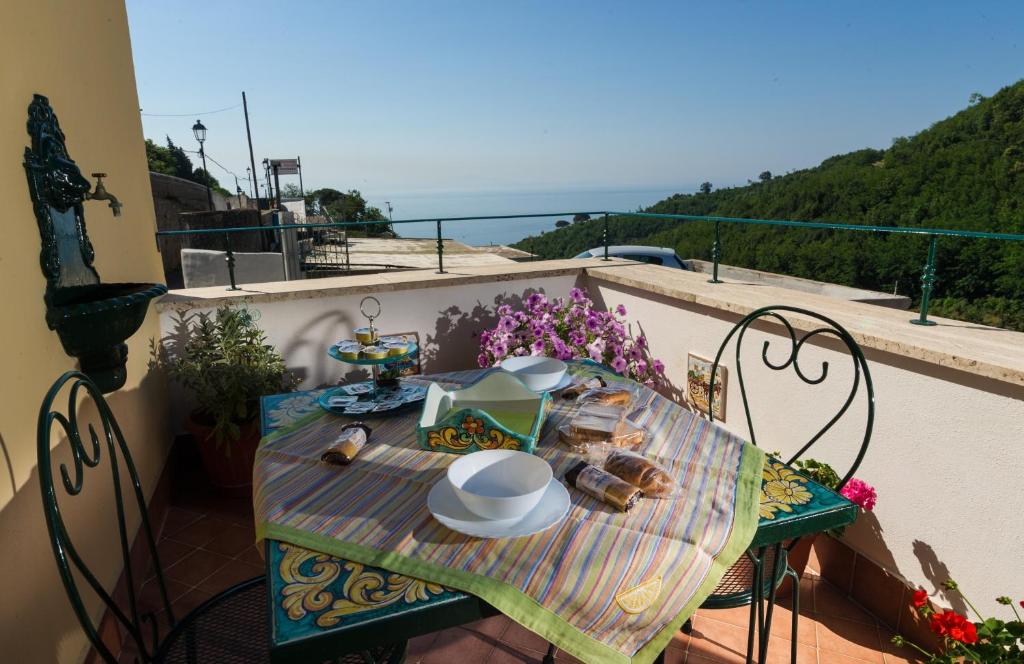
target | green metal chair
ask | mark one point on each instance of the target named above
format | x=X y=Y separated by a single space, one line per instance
x=231 y=627
x=759 y=574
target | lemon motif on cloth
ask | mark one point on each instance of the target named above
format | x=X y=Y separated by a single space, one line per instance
x=782 y=488
x=639 y=598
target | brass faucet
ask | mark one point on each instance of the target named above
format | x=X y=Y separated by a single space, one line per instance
x=100 y=193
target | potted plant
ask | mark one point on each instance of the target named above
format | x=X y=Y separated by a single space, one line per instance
x=225 y=362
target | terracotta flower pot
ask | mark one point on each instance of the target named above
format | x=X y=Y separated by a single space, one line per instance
x=228 y=465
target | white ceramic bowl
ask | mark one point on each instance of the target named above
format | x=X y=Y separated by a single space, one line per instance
x=539 y=373
x=499 y=484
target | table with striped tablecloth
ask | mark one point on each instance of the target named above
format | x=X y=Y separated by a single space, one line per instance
x=561 y=583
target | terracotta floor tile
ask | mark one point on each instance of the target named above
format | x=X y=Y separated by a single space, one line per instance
x=149 y=594
x=418 y=647
x=718 y=641
x=232 y=541
x=782 y=627
x=492 y=627
x=506 y=654
x=234 y=572
x=829 y=601
x=460 y=646
x=196 y=567
x=519 y=637
x=779 y=652
x=177 y=518
x=893 y=654
x=252 y=555
x=201 y=532
x=170 y=551
x=847 y=637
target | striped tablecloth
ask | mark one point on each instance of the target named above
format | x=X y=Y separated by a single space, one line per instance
x=561 y=583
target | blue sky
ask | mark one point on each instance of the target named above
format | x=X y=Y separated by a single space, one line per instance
x=403 y=97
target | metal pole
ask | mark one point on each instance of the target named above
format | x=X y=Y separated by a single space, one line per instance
x=440 y=250
x=231 y=261
x=251 y=182
x=270 y=188
x=927 y=282
x=277 y=187
x=606 y=237
x=298 y=163
x=252 y=159
x=238 y=190
x=206 y=173
x=716 y=254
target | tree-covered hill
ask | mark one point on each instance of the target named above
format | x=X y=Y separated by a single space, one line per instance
x=964 y=172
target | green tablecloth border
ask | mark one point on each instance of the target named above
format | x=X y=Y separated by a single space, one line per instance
x=523 y=609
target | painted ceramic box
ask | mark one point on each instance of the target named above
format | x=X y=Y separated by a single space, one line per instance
x=496 y=412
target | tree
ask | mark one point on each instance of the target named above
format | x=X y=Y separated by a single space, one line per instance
x=172 y=160
x=765 y=176
x=346 y=206
x=291 y=190
x=583 y=216
x=705 y=187
x=562 y=223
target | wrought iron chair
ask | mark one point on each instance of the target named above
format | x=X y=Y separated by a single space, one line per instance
x=746 y=583
x=230 y=627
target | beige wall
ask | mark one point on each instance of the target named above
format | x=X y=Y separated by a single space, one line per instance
x=79 y=55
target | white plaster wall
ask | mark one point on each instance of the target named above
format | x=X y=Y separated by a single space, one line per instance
x=206 y=267
x=944 y=455
x=445 y=318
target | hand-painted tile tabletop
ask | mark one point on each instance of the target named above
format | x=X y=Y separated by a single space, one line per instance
x=318 y=597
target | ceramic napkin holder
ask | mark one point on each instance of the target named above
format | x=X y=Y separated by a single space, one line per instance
x=496 y=412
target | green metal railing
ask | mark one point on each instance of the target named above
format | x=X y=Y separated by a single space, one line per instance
x=927 y=276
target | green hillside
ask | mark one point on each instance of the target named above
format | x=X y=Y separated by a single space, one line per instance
x=965 y=172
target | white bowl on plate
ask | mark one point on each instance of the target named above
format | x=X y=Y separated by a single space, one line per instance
x=539 y=373
x=499 y=484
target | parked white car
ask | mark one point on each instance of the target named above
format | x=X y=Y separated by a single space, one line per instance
x=635 y=252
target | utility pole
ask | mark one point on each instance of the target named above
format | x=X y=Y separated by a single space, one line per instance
x=238 y=190
x=251 y=181
x=277 y=186
x=252 y=159
x=266 y=173
x=298 y=163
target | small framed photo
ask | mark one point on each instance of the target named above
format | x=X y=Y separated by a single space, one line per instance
x=698 y=385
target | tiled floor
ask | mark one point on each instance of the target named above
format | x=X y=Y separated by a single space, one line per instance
x=206 y=545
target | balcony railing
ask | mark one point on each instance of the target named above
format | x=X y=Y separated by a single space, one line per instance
x=333 y=259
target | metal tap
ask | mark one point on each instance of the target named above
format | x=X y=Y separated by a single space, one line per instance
x=100 y=193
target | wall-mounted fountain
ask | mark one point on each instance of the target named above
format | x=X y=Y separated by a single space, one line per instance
x=93 y=319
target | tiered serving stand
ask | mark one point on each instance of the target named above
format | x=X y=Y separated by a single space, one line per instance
x=385 y=393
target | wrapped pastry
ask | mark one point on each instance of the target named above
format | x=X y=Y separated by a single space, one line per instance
x=343 y=450
x=626 y=435
x=604 y=486
x=596 y=422
x=374 y=352
x=609 y=396
x=396 y=347
x=349 y=350
x=642 y=473
x=580 y=387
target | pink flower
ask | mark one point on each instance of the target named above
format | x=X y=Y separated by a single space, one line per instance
x=861 y=493
x=620 y=310
x=507 y=323
x=482 y=360
x=577 y=295
x=619 y=364
x=537 y=348
x=659 y=367
x=641 y=367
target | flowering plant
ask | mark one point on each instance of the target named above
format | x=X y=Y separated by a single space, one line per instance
x=567 y=329
x=985 y=642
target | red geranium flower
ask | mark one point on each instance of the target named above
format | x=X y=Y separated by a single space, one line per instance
x=920 y=598
x=954 y=626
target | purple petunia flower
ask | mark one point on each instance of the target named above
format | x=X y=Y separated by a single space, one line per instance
x=537 y=348
x=659 y=367
x=536 y=300
x=620 y=310
x=593 y=323
x=500 y=350
x=482 y=360
x=577 y=295
x=507 y=323
x=619 y=364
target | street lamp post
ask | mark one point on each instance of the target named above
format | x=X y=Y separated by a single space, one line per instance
x=200 y=133
x=391 y=224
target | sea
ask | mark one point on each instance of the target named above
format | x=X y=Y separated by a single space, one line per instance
x=428 y=205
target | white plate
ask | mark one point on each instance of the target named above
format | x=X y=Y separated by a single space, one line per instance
x=450 y=512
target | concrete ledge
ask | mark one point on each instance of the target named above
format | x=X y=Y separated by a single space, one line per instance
x=985 y=351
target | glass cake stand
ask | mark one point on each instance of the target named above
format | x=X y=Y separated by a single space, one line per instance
x=384 y=394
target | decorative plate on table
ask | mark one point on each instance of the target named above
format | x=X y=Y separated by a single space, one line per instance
x=446 y=507
x=362 y=400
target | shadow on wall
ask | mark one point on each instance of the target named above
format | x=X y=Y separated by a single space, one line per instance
x=938 y=573
x=455 y=342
